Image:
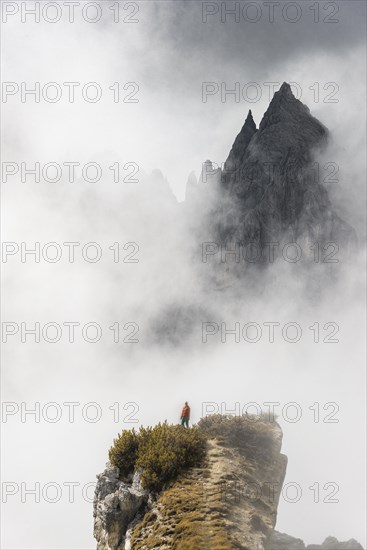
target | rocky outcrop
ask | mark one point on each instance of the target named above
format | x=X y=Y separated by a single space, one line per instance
x=281 y=541
x=116 y=504
x=229 y=502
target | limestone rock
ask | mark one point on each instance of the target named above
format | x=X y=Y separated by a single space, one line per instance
x=229 y=502
x=115 y=505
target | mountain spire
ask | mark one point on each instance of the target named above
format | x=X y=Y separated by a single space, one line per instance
x=249 y=122
x=286 y=90
x=240 y=144
x=284 y=105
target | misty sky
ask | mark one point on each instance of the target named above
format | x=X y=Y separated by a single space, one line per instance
x=167 y=56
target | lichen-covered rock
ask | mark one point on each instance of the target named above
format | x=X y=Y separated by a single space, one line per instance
x=115 y=505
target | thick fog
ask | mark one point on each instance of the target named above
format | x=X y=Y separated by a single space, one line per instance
x=140 y=325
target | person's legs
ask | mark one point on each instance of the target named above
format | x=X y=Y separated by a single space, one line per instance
x=183 y=420
x=187 y=422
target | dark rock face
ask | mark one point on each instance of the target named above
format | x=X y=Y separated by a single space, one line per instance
x=235 y=157
x=269 y=191
x=281 y=541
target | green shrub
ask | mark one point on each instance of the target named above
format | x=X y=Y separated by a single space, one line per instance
x=163 y=452
x=123 y=454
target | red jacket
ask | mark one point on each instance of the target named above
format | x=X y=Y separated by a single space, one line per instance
x=186 y=412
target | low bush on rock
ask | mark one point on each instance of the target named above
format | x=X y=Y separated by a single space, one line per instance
x=163 y=452
x=124 y=452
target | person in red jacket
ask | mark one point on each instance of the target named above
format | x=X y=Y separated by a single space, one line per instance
x=185 y=415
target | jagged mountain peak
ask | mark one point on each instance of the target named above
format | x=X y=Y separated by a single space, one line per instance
x=284 y=94
x=287 y=109
x=268 y=190
x=249 y=122
x=285 y=89
x=240 y=144
x=268 y=183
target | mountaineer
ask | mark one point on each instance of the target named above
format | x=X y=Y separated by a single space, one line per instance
x=185 y=415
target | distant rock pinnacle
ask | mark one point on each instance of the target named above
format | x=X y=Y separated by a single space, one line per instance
x=270 y=192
